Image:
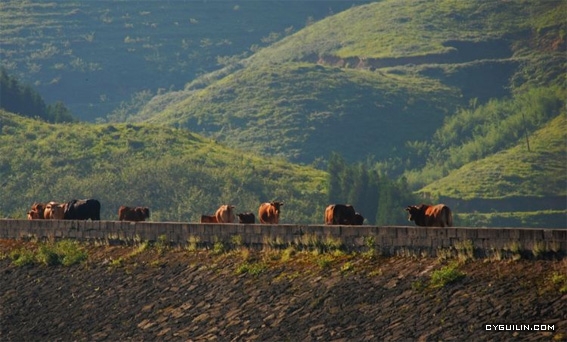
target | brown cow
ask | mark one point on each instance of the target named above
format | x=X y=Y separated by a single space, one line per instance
x=270 y=212
x=430 y=215
x=246 y=218
x=208 y=219
x=36 y=212
x=54 y=211
x=225 y=214
x=342 y=214
x=133 y=213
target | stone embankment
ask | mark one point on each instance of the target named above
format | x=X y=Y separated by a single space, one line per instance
x=173 y=294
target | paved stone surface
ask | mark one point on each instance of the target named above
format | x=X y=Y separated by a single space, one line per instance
x=195 y=296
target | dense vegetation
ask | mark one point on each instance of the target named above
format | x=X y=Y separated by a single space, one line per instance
x=93 y=55
x=380 y=199
x=23 y=99
x=480 y=132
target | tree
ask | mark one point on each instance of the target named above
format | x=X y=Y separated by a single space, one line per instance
x=334 y=169
x=24 y=100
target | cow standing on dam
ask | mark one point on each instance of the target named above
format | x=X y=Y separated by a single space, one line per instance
x=430 y=215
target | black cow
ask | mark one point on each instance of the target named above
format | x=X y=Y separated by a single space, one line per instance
x=341 y=214
x=246 y=218
x=82 y=210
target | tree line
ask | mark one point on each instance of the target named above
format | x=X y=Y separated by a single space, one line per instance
x=22 y=99
x=378 y=198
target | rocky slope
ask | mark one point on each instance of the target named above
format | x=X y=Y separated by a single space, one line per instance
x=123 y=293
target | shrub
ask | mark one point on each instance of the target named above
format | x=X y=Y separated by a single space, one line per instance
x=446 y=275
x=22 y=257
x=252 y=269
x=70 y=252
x=559 y=280
x=65 y=252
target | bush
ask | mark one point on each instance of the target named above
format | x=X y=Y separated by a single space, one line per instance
x=446 y=275
x=65 y=252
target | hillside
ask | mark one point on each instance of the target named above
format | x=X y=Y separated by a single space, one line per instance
x=93 y=55
x=304 y=111
x=147 y=294
x=178 y=174
x=413 y=91
x=373 y=79
x=515 y=172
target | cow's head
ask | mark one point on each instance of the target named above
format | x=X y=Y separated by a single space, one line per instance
x=144 y=212
x=53 y=211
x=276 y=205
x=415 y=212
x=33 y=215
x=36 y=212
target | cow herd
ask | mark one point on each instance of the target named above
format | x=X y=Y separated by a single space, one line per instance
x=268 y=213
x=73 y=210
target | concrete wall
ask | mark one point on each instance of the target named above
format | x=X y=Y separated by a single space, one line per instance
x=388 y=240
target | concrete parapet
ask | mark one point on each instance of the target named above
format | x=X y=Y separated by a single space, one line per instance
x=386 y=239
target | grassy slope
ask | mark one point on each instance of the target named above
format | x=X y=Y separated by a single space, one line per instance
x=386 y=108
x=95 y=54
x=179 y=175
x=302 y=111
x=541 y=171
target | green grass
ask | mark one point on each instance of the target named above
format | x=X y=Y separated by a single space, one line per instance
x=445 y=276
x=178 y=174
x=112 y=52
x=302 y=111
x=253 y=269
x=515 y=171
x=560 y=281
x=64 y=252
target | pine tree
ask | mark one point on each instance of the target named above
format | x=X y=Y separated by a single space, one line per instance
x=335 y=169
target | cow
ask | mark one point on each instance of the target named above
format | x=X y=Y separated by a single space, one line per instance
x=82 y=210
x=430 y=215
x=246 y=218
x=54 y=211
x=133 y=213
x=36 y=212
x=208 y=219
x=269 y=212
x=225 y=214
x=342 y=214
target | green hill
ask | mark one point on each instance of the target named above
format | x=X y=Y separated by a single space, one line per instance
x=304 y=111
x=373 y=79
x=515 y=187
x=515 y=172
x=430 y=91
x=93 y=55
x=178 y=174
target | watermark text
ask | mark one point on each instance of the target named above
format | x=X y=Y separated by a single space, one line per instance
x=520 y=327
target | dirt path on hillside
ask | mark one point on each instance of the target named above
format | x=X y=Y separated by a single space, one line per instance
x=178 y=295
